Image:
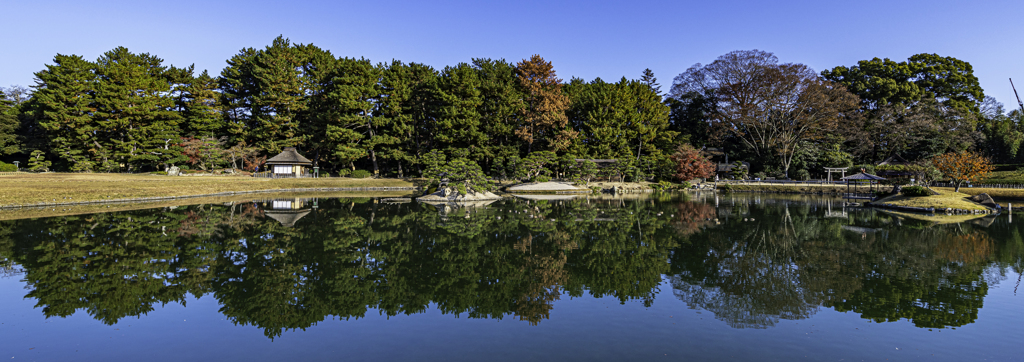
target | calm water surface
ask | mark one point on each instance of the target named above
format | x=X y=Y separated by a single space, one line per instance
x=735 y=277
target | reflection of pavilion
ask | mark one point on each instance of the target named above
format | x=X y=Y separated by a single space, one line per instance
x=288 y=211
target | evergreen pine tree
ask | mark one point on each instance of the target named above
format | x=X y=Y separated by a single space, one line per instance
x=9 y=125
x=64 y=105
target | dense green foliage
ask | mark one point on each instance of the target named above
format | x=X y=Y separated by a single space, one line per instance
x=129 y=112
x=915 y=191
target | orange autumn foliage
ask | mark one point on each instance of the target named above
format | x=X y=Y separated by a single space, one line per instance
x=962 y=167
x=692 y=163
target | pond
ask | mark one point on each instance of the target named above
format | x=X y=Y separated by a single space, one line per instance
x=662 y=277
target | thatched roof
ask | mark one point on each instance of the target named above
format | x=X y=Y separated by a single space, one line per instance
x=287 y=218
x=863 y=176
x=289 y=157
x=894 y=160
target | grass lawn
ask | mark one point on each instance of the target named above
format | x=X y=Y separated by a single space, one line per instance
x=999 y=193
x=28 y=189
x=945 y=199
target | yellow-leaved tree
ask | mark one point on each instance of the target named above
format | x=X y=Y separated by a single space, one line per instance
x=963 y=167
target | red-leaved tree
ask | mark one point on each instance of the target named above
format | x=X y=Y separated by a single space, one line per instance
x=691 y=163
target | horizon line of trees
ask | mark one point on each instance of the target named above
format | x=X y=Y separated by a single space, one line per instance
x=129 y=112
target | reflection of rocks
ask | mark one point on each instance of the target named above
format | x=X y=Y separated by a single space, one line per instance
x=547 y=197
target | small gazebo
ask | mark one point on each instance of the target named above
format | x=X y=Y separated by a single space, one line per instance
x=289 y=163
x=861 y=178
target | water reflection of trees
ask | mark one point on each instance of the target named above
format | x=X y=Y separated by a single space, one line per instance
x=765 y=263
x=752 y=262
x=514 y=258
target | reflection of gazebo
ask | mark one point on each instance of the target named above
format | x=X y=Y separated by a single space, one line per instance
x=287 y=212
x=861 y=178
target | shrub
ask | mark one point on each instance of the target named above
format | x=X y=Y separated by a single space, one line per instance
x=344 y=172
x=760 y=175
x=915 y=191
x=686 y=185
x=164 y=173
x=542 y=178
x=360 y=174
x=802 y=175
x=6 y=167
x=725 y=188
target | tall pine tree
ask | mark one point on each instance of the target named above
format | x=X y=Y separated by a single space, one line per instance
x=63 y=105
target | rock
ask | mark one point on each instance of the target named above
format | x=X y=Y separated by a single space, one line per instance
x=896 y=189
x=173 y=171
x=451 y=194
x=985 y=200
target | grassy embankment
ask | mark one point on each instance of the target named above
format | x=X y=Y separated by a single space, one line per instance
x=36 y=189
x=82 y=209
x=946 y=199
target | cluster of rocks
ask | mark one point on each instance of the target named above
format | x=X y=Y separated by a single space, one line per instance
x=175 y=171
x=985 y=200
x=450 y=194
x=638 y=189
x=547 y=187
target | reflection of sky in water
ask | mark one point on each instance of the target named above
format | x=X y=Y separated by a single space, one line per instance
x=780 y=278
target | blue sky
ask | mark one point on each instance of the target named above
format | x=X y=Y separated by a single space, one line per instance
x=585 y=39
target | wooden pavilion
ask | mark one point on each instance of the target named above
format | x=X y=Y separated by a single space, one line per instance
x=289 y=163
x=858 y=179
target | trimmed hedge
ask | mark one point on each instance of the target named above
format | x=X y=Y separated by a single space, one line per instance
x=360 y=174
x=915 y=191
x=7 y=167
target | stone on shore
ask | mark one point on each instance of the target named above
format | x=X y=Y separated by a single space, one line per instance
x=452 y=195
x=551 y=186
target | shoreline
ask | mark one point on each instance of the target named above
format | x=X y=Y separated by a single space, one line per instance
x=219 y=194
x=65 y=189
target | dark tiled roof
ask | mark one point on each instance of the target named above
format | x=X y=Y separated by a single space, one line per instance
x=289 y=156
x=894 y=160
x=287 y=218
x=863 y=176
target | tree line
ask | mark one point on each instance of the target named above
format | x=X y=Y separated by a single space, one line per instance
x=130 y=112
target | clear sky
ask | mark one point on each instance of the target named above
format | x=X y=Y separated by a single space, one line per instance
x=584 y=39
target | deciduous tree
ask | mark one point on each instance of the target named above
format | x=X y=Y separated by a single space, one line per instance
x=962 y=167
x=691 y=163
x=543 y=116
x=770 y=107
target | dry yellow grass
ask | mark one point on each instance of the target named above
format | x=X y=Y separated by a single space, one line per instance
x=945 y=199
x=29 y=189
x=1001 y=193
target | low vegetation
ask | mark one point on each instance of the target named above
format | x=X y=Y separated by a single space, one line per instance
x=28 y=189
x=944 y=199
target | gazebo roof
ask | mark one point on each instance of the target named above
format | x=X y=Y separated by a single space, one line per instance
x=895 y=159
x=863 y=176
x=289 y=157
x=287 y=218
